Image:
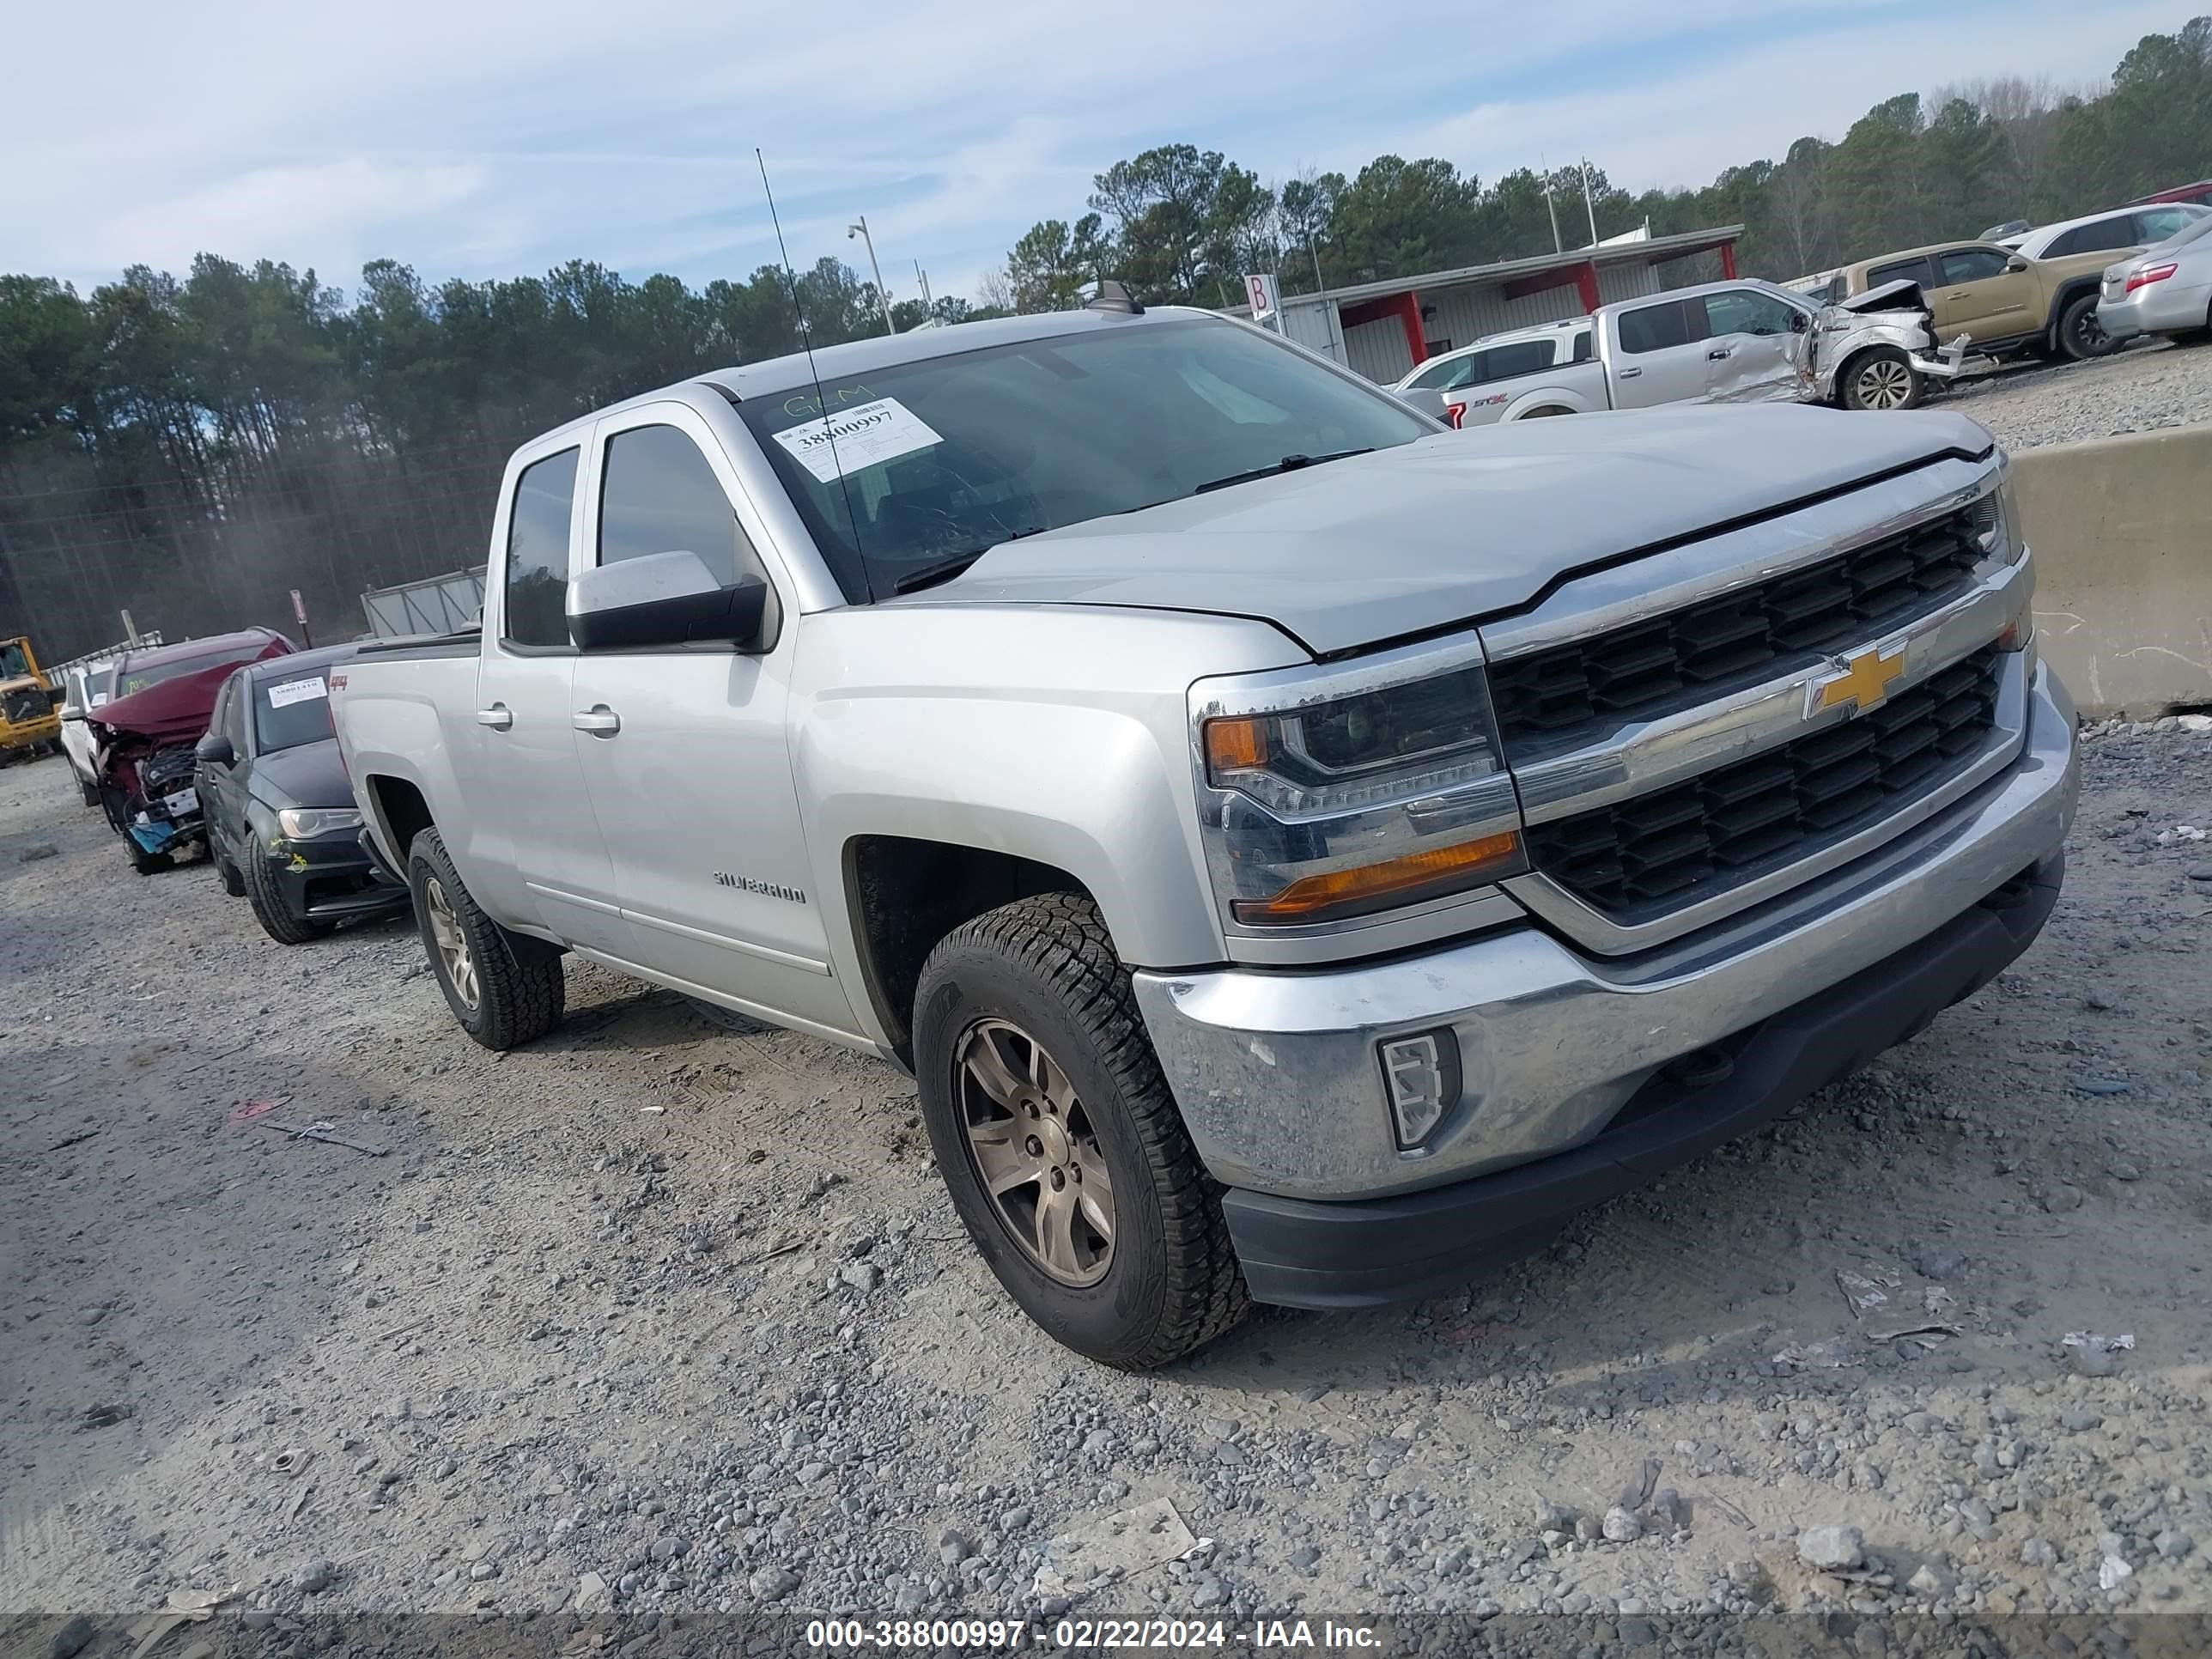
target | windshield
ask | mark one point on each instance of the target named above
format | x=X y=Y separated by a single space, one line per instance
x=952 y=455
x=136 y=679
x=290 y=711
x=14 y=661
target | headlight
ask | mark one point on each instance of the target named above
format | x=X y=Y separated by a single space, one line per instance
x=1336 y=794
x=302 y=823
x=1997 y=522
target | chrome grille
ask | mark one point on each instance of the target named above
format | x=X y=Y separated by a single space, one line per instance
x=1573 y=694
x=1691 y=841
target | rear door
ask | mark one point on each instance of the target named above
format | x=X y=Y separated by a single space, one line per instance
x=534 y=842
x=686 y=754
x=1661 y=358
x=1977 y=292
x=1754 y=342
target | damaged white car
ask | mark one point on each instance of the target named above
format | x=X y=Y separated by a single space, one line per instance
x=1735 y=342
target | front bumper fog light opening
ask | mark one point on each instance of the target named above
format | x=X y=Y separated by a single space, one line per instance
x=1421 y=1079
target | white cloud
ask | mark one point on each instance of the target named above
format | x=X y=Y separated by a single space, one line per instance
x=478 y=137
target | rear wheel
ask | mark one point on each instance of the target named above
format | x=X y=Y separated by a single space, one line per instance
x=1062 y=1149
x=1883 y=378
x=2080 y=334
x=504 y=988
x=270 y=910
x=1545 y=413
x=146 y=863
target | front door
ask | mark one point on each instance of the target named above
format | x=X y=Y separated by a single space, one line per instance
x=534 y=844
x=685 y=749
x=1753 y=345
x=1662 y=359
x=222 y=788
x=1978 y=293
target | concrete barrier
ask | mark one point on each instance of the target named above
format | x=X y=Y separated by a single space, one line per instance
x=2122 y=530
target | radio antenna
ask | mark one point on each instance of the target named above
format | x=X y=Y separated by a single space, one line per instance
x=806 y=344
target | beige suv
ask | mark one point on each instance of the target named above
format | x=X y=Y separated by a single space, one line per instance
x=2009 y=304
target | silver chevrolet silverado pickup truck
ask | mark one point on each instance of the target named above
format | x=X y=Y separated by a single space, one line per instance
x=1301 y=853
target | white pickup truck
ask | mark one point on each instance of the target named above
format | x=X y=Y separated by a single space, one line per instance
x=1736 y=342
x=1301 y=854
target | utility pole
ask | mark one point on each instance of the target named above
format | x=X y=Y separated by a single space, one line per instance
x=1549 y=206
x=921 y=277
x=1589 y=205
x=882 y=295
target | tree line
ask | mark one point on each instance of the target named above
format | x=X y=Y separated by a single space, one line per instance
x=192 y=447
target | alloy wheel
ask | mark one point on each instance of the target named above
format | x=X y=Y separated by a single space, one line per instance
x=1036 y=1151
x=451 y=945
x=1885 y=383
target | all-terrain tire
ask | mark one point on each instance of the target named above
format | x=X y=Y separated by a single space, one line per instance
x=519 y=990
x=143 y=862
x=1046 y=967
x=2080 y=335
x=270 y=910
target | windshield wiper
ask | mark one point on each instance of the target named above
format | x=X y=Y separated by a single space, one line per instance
x=1288 y=463
x=946 y=569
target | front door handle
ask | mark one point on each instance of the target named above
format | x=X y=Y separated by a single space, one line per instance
x=1629 y=373
x=598 y=720
x=1715 y=356
x=499 y=717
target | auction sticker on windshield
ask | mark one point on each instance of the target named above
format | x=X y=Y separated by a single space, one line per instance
x=292 y=691
x=858 y=437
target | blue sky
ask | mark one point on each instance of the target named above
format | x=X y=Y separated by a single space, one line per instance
x=475 y=139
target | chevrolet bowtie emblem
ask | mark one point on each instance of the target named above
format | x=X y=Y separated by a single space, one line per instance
x=1864 y=679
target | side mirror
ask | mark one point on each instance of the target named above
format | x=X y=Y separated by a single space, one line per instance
x=2016 y=264
x=1800 y=322
x=72 y=713
x=213 y=749
x=664 y=600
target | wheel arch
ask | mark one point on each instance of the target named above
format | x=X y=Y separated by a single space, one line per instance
x=905 y=893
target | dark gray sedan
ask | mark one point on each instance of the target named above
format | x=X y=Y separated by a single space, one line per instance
x=282 y=825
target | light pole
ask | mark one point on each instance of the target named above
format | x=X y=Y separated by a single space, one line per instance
x=1327 y=316
x=882 y=298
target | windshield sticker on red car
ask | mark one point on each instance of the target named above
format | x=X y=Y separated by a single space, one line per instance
x=292 y=691
x=853 y=439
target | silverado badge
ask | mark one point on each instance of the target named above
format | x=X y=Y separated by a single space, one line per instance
x=1864 y=679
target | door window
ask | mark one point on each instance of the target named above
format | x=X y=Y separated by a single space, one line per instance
x=1743 y=311
x=660 y=496
x=1445 y=376
x=1657 y=328
x=1521 y=358
x=536 y=612
x=2103 y=237
x=233 y=717
x=1972 y=264
x=1900 y=270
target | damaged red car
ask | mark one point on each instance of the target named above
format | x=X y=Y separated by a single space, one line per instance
x=145 y=737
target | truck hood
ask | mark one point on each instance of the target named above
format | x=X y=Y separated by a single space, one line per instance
x=1464 y=525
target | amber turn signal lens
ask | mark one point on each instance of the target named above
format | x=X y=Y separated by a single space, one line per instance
x=1395 y=881
x=1235 y=745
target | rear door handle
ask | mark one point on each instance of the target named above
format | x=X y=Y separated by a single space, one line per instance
x=598 y=720
x=499 y=717
x=1715 y=356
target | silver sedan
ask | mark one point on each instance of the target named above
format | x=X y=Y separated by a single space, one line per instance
x=2165 y=289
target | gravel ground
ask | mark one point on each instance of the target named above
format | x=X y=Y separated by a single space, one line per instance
x=672 y=1317
x=2138 y=389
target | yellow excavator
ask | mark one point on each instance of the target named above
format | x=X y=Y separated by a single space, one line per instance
x=30 y=722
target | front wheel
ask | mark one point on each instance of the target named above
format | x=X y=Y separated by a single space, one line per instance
x=270 y=910
x=505 y=988
x=1062 y=1146
x=1883 y=378
x=2080 y=334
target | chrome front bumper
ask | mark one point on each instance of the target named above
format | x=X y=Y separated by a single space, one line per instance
x=1278 y=1074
